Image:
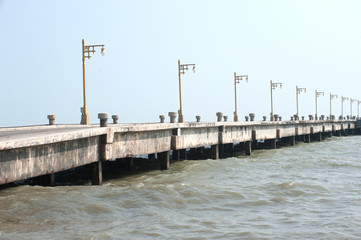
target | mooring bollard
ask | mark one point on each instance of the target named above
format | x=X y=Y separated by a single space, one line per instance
x=348 y=117
x=198 y=118
x=225 y=118
x=264 y=118
x=103 y=119
x=310 y=117
x=275 y=117
x=51 y=119
x=333 y=117
x=322 y=117
x=296 y=117
x=115 y=119
x=303 y=118
x=173 y=116
x=247 y=118
x=291 y=118
x=252 y=116
x=279 y=118
x=219 y=116
x=162 y=118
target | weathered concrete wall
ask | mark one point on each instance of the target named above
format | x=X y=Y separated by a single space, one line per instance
x=265 y=131
x=130 y=144
x=195 y=137
x=34 y=151
x=286 y=130
x=234 y=134
x=22 y=163
x=303 y=128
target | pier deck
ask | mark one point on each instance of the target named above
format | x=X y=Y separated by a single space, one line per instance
x=27 y=152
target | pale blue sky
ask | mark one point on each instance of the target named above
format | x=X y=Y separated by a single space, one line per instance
x=310 y=43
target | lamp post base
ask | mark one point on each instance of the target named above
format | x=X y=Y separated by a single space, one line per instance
x=84 y=119
x=181 y=118
x=235 y=119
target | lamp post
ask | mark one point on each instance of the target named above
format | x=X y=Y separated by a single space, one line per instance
x=182 y=68
x=237 y=79
x=317 y=94
x=342 y=100
x=273 y=87
x=332 y=96
x=351 y=101
x=86 y=54
x=298 y=91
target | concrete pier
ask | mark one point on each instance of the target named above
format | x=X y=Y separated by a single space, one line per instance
x=29 y=152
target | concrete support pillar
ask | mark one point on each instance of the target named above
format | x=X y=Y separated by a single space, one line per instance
x=215 y=151
x=129 y=163
x=307 y=138
x=151 y=157
x=219 y=116
x=103 y=119
x=45 y=180
x=164 y=160
x=173 y=117
x=162 y=118
x=273 y=143
x=51 y=119
x=319 y=136
x=97 y=173
x=176 y=155
x=198 y=118
x=200 y=151
x=115 y=119
x=248 y=147
x=183 y=154
x=254 y=144
x=292 y=140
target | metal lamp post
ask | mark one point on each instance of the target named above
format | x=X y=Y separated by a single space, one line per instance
x=237 y=79
x=86 y=54
x=182 y=68
x=351 y=101
x=317 y=94
x=273 y=87
x=332 y=96
x=298 y=91
x=342 y=100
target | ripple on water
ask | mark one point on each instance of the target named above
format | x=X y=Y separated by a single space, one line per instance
x=311 y=191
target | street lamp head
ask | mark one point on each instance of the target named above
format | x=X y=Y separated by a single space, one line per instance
x=103 y=51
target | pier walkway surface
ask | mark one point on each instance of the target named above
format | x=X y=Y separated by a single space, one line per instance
x=27 y=152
